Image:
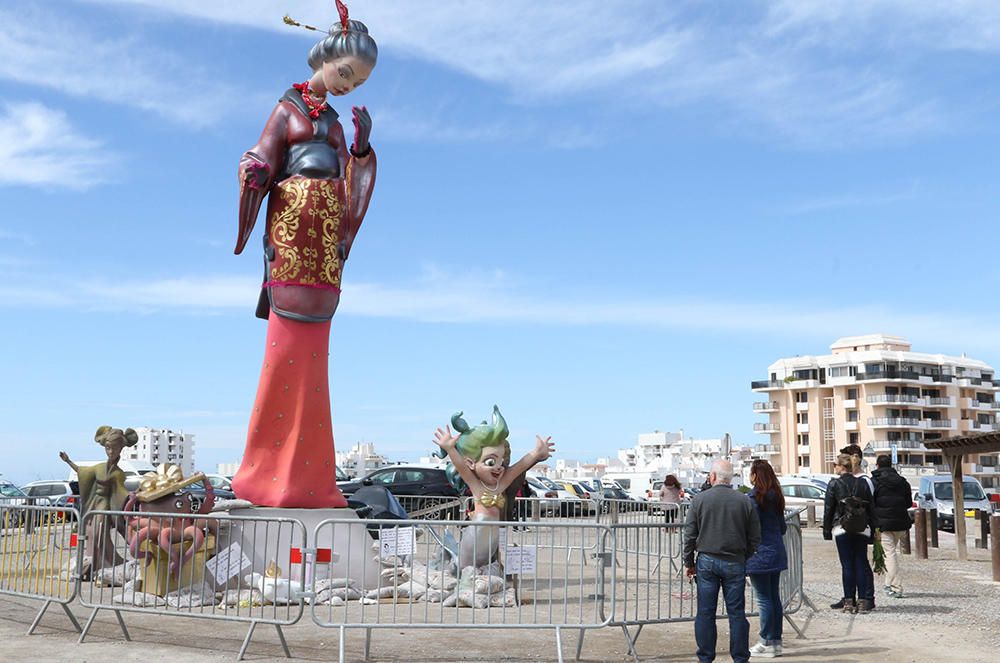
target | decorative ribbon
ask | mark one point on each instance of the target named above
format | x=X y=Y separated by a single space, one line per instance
x=167 y=475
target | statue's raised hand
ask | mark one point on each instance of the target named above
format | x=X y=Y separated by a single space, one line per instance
x=63 y=456
x=544 y=448
x=362 y=131
x=444 y=438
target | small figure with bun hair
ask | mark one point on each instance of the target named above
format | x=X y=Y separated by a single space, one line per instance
x=102 y=488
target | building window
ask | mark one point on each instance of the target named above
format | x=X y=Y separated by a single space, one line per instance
x=852 y=394
x=801 y=396
x=803 y=438
x=802 y=417
x=853 y=438
x=852 y=415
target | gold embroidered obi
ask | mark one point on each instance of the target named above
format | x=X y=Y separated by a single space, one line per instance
x=499 y=500
x=305 y=230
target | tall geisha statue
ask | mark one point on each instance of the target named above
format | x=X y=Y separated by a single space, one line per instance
x=480 y=461
x=318 y=191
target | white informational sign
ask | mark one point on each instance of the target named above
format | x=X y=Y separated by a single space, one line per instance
x=895 y=458
x=227 y=563
x=519 y=560
x=397 y=541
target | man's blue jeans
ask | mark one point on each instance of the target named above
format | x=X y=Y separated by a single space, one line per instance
x=768 y=589
x=714 y=573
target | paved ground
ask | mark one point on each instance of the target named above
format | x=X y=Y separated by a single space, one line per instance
x=950 y=614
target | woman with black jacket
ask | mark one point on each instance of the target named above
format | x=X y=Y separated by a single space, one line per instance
x=856 y=572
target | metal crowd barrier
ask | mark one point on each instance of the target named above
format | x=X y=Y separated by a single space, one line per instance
x=239 y=568
x=36 y=555
x=433 y=507
x=652 y=587
x=522 y=583
x=365 y=574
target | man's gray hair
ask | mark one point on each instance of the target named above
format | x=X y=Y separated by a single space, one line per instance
x=723 y=470
x=356 y=42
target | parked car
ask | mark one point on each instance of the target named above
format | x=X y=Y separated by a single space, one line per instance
x=52 y=493
x=11 y=495
x=588 y=505
x=198 y=492
x=624 y=501
x=800 y=493
x=220 y=482
x=548 y=498
x=405 y=480
x=936 y=492
x=569 y=503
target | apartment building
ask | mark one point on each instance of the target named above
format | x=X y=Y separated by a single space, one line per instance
x=876 y=392
x=160 y=445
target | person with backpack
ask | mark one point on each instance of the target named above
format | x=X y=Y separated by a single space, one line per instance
x=849 y=518
x=892 y=503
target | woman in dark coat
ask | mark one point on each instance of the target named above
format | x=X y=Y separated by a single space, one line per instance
x=765 y=567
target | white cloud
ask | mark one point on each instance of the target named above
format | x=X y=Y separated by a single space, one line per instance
x=818 y=72
x=439 y=297
x=41 y=48
x=39 y=146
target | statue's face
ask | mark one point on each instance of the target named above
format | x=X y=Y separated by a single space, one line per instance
x=490 y=466
x=344 y=74
x=176 y=503
x=113 y=448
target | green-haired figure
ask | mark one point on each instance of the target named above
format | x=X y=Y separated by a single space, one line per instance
x=480 y=458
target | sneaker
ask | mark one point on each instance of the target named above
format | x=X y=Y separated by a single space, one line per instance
x=839 y=605
x=864 y=605
x=760 y=650
x=895 y=593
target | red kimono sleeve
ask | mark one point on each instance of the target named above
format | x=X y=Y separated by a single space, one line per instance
x=257 y=170
x=359 y=182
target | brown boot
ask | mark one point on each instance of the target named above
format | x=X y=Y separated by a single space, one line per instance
x=849 y=606
x=865 y=605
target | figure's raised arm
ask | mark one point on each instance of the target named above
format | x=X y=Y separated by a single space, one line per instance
x=544 y=448
x=65 y=458
x=448 y=442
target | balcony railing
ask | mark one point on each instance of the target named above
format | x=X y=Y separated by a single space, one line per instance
x=766 y=449
x=893 y=398
x=770 y=405
x=939 y=423
x=889 y=375
x=935 y=400
x=766 y=428
x=767 y=384
x=893 y=421
x=900 y=444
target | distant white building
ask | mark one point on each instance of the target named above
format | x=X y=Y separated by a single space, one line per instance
x=658 y=454
x=227 y=469
x=161 y=445
x=361 y=459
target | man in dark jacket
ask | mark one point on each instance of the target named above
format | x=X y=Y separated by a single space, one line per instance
x=722 y=527
x=893 y=498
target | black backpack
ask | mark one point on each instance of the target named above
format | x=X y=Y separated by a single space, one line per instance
x=854 y=511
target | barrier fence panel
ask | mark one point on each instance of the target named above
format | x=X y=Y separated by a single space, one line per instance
x=443 y=574
x=433 y=507
x=210 y=566
x=651 y=587
x=37 y=549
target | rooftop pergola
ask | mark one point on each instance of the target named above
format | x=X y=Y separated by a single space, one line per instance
x=954 y=450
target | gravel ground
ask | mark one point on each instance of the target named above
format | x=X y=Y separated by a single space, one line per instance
x=950 y=614
x=939 y=591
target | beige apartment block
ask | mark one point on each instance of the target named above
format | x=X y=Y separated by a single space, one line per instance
x=875 y=392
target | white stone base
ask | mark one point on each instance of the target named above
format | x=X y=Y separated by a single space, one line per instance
x=352 y=554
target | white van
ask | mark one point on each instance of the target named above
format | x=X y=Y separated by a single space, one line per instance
x=937 y=493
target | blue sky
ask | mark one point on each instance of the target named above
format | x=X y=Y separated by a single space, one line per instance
x=606 y=217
